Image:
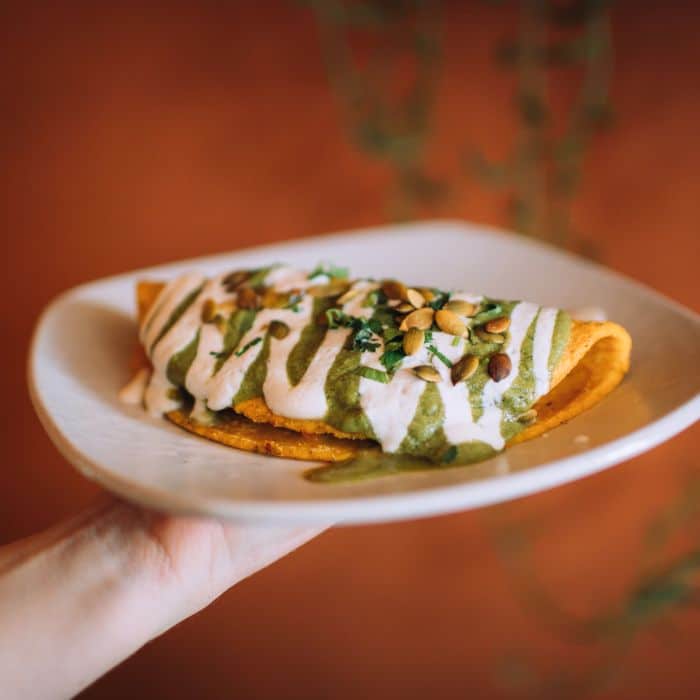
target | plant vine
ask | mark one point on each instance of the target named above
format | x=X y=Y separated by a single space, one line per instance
x=389 y=124
x=542 y=173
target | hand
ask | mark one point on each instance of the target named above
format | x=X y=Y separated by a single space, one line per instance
x=81 y=597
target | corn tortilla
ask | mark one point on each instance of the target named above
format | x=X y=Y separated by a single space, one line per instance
x=593 y=363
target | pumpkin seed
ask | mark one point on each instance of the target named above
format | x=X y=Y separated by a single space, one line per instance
x=449 y=322
x=427 y=373
x=413 y=341
x=486 y=337
x=394 y=289
x=464 y=368
x=420 y=318
x=208 y=311
x=272 y=299
x=348 y=296
x=405 y=308
x=498 y=325
x=333 y=288
x=235 y=279
x=415 y=298
x=460 y=307
x=278 y=329
x=528 y=418
x=248 y=298
x=499 y=366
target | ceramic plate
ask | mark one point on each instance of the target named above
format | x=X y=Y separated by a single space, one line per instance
x=80 y=356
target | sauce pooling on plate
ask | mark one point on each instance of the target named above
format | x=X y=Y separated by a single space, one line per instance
x=447 y=376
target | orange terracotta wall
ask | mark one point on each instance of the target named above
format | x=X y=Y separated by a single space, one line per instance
x=136 y=133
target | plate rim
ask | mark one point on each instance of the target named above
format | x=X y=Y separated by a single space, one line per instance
x=385 y=507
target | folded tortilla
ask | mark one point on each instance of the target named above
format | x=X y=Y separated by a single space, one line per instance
x=548 y=386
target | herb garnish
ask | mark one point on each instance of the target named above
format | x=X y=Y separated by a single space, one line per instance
x=365 y=329
x=372 y=299
x=329 y=270
x=441 y=298
x=449 y=455
x=218 y=355
x=247 y=346
x=434 y=351
x=489 y=312
x=393 y=349
x=293 y=303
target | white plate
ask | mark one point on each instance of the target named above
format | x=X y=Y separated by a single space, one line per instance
x=80 y=355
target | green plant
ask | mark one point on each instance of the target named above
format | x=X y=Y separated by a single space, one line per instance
x=367 y=46
x=365 y=43
x=543 y=171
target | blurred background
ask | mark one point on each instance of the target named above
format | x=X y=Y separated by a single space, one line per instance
x=137 y=133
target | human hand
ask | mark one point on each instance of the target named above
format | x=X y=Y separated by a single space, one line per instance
x=84 y=595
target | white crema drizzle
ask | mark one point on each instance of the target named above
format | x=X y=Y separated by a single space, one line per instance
x=390 y=408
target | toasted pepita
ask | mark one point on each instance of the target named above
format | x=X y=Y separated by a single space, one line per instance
x=413 y=341
x=278 y=329
x=449 y=322
x=248 y=298
x=208 y=311
x=499 y=366
x=487 y=337
x=528 y=418
x=428 y=294
x=331 y=289
x=464 y=368
x=394 y=289
x=420 y=318
x=498 y=325
x=348 y=296
x=461 y=307
x=233 y=280
x=405 y=308
x=415 y=298
x=427 y=373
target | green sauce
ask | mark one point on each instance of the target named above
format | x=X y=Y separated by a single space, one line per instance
x=425 y=436
x=252 y=385
x=309 y=342
x=176 y=314
x=180 y=362
x=238 y=325
x=343 y=395
x=562 y=330
x=520 y=395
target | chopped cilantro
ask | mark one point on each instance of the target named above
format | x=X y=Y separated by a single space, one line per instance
x=441 y=298
x=392 y=357
x=449 y=455
x=375 y=374
x=393 y=349
x=257 y=277
x=365 y=329
x=372 y=299
x=488 y=313
x=293 y=303
x=329 y=270
x=219 y=355
x=337 y=318
x=247 y=346
x=434 y=351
